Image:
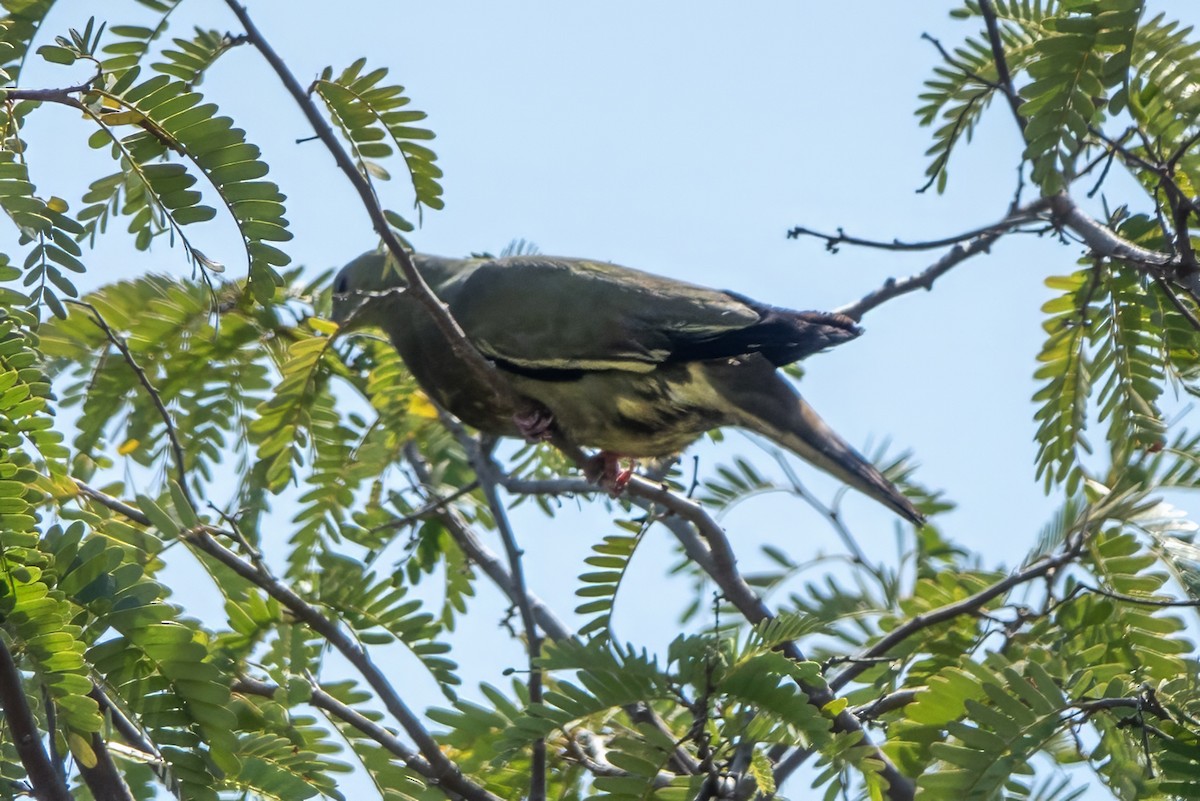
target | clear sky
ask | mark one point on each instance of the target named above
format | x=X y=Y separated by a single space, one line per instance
x=683 y=139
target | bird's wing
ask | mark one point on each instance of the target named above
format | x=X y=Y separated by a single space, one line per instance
x=539 y=313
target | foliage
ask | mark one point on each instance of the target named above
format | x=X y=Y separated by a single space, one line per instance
x=197 y=410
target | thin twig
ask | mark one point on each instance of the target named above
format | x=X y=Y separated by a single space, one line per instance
x=425 y=511
x=715 y=556
x=1177 y=302
x=487 y=560
x=857 y=555
x=123 y=725
x=686 y=520
x=155 y=398
x=1183 y=148
x=1134 y=599
x=1177 y=200
x=958 y=65
x=922 y=280
x=1063 y=211
x=842 y=238
x=965 y=245
x=966 y=606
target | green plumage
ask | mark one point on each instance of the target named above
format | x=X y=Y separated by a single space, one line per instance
x=631 y=363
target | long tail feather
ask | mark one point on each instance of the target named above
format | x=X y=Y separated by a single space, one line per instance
x=771 y=407
x=812 y=440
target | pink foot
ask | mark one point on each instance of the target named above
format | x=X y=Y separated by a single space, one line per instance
x=605 y=470
x=621 y=481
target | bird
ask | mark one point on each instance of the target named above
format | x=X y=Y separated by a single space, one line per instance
x=633 y=364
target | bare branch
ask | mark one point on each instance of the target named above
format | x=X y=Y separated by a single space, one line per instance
x=48 y=784
x=428 y=510
x=832 y=241
x=1104 y=242
x=1006 y=81
x=1061 y=210
x=965 y=245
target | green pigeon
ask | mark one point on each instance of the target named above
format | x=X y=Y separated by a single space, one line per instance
x=633 y=364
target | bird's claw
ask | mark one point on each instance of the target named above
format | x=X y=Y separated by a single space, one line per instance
x=536 y=423
x=604 y=469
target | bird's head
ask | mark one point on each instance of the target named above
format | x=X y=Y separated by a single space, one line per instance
x=364 y=290
x=371 y=290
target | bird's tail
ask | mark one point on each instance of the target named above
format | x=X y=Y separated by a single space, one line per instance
x=781 y=415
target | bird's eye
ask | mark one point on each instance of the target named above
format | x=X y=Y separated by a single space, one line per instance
x=341 y=285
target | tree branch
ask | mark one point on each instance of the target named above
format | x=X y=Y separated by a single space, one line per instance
x=688 y=520
x=832 y=241
x=488 y=561
x=103 y=779
x=155 y=398
x=965 y=245
x=922 y=280
x=1061 y=210
x=715 y=556
x=1005 y=78
x=48 y=784
x=884 y=704
x=966 y=606
x=491 y=564
x=324 y=701
x=1103 y=242
x=533 y=640
x=433 y=764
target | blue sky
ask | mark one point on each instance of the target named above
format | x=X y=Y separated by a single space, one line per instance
x=683 y=139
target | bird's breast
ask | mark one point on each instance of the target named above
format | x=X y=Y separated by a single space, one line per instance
x=632 y=414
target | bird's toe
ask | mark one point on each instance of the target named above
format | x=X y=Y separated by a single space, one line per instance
x=536 y=423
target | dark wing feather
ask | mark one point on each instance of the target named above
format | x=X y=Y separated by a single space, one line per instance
x=537 y=313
